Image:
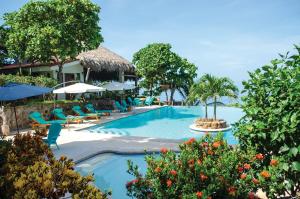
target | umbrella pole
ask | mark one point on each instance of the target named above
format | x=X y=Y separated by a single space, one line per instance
x=16 y=118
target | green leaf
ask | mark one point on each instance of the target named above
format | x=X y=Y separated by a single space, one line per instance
x=294 y=151
x=285 y=166
x=296 y=166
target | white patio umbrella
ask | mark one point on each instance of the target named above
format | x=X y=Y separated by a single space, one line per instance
x=79 y=88
x=117 y=86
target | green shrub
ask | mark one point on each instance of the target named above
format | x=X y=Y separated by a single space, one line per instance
x=37 y=81
x=207 y=168
x=30 y=170
x=272 y=120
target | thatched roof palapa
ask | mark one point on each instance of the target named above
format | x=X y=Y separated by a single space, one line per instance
x=104 y=59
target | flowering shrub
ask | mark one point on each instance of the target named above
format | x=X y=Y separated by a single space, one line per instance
x=272 y=121
x=28 y=169
x=205 y=168
x=37 y=81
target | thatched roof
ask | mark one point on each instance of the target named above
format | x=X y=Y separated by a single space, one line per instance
x=104 y=59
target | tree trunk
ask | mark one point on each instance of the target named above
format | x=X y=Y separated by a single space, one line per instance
x=215 y=108
x=60 y=74
x=206 y=110
x=151 y=87
x=167 y=96
x=172 y=95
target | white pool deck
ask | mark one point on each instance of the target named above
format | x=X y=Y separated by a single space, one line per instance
x=79 y=144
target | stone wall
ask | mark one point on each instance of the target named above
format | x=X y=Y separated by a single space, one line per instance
x=22 y=112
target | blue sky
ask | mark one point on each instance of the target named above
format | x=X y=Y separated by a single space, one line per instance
x=222 y=37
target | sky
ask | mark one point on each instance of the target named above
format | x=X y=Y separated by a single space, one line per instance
x=221 y=37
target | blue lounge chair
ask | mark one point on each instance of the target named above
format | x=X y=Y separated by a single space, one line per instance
x=120 y=107
x=124 y=103
x=53 y=134
x=38 y=120
x=137 y=102
x=79 y=112
x=91 y=109
x=149 y=101
x=131 y=102
x=59 y=114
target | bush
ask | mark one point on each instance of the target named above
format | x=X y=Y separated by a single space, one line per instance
x=272 y=120
x=208 y=168
x=37 y=81
x=29 y=170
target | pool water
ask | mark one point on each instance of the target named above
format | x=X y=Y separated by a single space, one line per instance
x=167 y=122
x=110 y=172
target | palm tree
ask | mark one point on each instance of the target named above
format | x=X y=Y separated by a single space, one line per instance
x=198 y=91
x=217 y=87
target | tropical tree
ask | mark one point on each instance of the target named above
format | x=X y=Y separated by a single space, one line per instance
x=158 y=65
x=198 y=91
x=3 y=49
x=53 y=31
x=211 y=87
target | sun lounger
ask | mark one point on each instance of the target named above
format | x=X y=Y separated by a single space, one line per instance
x=79 y=112
x=137 y=102
x=124 y=103
x=149 y=101
x=59 y=114
x=120 y=107
x=53 y=134
x=91 y=109
x=38 y=120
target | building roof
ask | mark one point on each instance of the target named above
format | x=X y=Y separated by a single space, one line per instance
x=104 y=59
x=98 y=60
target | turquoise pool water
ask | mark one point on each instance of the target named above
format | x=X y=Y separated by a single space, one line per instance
x=167 y=122
x=110 y=172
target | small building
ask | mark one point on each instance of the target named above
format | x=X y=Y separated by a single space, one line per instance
x=100 y=64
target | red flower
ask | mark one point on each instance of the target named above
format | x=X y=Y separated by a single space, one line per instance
x=255 y=181
x=163 y=150
x=274 y=162
x=209 y=197
x=157 y=170
x=240 y=169
x=231 y=191
x=203 y=177
x=243 y=176
x=216 y=144
x=251 y=195
x=191 y=161
x=247 y=166
x=130 y=183
x=173 y=172
x=265 y=174
x=169 y=183
x=190 y=141
x=199 y=194
x=259 y=156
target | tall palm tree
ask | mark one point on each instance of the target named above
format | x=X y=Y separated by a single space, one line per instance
x=218 y=87
x=198 y=91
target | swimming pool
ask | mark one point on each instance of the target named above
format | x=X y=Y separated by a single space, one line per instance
x=167 y=122
x=110 y=172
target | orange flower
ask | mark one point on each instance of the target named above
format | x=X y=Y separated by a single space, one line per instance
x=204 y=144
x=163 y=150
x=259 y=156
x=243 y=176
x=216 y=144
x=274 y=162
x=173 y=172
x=157 y=170
x=231 y=191
x=209 y=197
x=247 y=166
x=255 y=181
x=203 y=177
x=265 y=174
x=191 y=161
x=199 y=161
x=169 y=183
x=199 y=194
